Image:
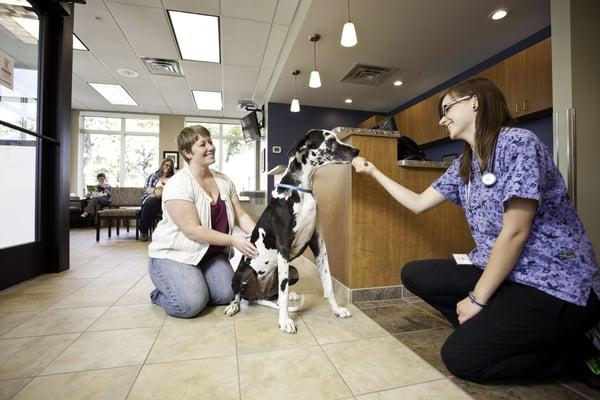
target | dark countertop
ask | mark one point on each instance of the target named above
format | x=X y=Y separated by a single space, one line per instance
x=424 y=164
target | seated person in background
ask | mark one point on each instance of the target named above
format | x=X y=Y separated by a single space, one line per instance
x=99 y=198
x=151 y=200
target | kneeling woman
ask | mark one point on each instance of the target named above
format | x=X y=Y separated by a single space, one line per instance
x=522 y=308
x=191 y=246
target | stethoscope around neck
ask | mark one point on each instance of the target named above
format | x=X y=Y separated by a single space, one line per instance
x=488 y=178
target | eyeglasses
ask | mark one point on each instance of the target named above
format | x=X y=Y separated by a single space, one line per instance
x=446 y=107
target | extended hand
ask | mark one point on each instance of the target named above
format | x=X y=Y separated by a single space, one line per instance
x=466 y=310
x=361 y=165
x=244 y=246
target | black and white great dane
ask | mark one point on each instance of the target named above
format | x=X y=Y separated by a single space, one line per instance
x=286 y=227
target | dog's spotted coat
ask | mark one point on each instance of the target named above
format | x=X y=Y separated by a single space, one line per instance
x=287 y=226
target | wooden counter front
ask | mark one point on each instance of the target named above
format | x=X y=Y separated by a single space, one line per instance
x=369 y=235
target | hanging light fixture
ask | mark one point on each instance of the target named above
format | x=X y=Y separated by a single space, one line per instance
x=349 y=32
x=315 y=78
x=295 y=106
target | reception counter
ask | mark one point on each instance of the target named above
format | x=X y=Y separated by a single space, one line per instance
x=369 y=235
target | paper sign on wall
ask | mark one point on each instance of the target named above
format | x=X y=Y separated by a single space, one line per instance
x=7 y=70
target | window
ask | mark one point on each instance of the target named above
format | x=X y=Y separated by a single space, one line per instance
x=124 y=148
x=234 y=157
x=19 y=143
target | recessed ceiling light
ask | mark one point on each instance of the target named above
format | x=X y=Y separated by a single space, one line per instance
x=348 y=101
x=128 y=73
x=78 y=44
x=498 y=14
x=398 y=83
x=208 y=100
x=114 y=94
x=197 y=36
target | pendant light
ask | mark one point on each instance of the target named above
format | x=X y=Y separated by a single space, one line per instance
x=315 y=78
x=349 y=32
x=295 y=106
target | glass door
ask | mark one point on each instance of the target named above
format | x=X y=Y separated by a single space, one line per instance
x=19 y=132
x=35 y=99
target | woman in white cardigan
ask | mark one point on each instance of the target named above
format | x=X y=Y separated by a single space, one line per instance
x=191 y=246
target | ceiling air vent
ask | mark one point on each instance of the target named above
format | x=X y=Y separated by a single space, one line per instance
x=161 y=66
x=367 y=74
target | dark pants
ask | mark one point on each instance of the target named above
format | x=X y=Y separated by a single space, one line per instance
x=521 y=333
x=95 y=203
x=150 y=209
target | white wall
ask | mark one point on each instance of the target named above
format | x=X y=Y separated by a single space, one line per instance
x=576 y=87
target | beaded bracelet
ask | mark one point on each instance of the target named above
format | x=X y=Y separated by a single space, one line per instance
x=475 y=301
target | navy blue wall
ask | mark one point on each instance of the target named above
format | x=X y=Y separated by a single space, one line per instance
x=285 y=127
x=541 y=127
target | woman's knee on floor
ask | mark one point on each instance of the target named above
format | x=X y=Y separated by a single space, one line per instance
x=460 y=362
x=188 y=307
x=222 y=296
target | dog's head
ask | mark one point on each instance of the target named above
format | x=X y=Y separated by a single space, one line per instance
x=320 y=147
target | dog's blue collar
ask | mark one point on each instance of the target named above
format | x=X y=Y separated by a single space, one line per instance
x=298 y=188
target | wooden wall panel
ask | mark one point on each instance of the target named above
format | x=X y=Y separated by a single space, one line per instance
x=332 y=188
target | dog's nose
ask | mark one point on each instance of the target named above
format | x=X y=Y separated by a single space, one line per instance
x=355 y=152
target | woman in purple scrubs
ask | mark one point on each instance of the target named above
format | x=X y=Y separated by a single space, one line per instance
x=529 y=292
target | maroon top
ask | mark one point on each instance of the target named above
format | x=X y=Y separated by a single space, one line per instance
x=218 y=217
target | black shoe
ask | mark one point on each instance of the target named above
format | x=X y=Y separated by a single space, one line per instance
x=154 y=295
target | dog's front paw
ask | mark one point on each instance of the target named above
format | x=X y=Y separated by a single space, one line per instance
x=232 y=309
x=287 y=325
x=342 y=312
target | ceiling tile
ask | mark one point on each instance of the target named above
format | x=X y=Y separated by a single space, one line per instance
x=147 y=29
x=261 y=85
x=239 y=81
x=285 y=12
x=243 y=41
x=209 y=7
x=146 y=3
x=176 y=93
x=258 y=10
x=274 y=45
x=203 y=76
x=89 y=69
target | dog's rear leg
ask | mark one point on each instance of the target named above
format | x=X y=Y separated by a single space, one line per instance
x=317 y=245
x=286 y=324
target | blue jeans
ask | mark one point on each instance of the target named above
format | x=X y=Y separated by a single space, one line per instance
x=183 y=290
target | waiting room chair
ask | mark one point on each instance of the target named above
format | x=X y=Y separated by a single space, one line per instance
x=125 y=205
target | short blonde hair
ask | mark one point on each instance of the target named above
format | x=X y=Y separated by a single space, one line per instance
x=188 y=136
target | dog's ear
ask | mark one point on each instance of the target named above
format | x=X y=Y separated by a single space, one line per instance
x=311 y=140
x=298 y=146
x=315 y=138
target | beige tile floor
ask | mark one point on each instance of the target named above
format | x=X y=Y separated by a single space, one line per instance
x=91 y=333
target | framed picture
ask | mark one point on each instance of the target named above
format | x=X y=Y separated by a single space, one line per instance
x=173 y=155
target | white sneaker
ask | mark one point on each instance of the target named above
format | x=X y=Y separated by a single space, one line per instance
x=84 y=215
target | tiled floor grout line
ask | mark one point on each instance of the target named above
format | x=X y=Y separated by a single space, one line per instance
x=146 y=358
x=237 y=361
x=328 y=359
